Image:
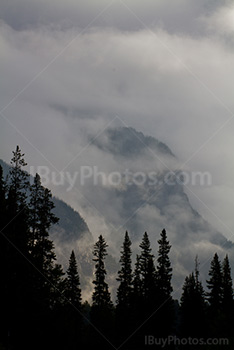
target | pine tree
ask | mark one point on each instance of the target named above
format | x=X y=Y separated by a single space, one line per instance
x=147 y=268
x=166 y=313
x=47 y=276
x=214 y=284
x=102 y=307
x=124 y=308
x=101 y=294
x=164 y=270
x=215 y=297
x=124 y=292
x=72 y=283
x=227 y=286
x=227 y=299
x=41 y=219
x=16 y=233
x=71 y=317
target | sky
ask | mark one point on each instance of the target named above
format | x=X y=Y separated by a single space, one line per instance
x=71 y=69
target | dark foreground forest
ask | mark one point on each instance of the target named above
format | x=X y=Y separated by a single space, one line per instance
x=41 y=305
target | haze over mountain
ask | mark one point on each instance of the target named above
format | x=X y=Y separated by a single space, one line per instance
x=141 y=190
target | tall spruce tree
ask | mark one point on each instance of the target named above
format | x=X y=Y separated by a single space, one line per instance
x=48 y=275
x=166 y=313
x=227 y=286
x=72 y=318
x=147 y=268
x=124 y=307
x=227 y=299
x=16 y=233
x=124 y=291
x=41 y=219
x=215 y=297
x=72 y=283
x=214 y=284
x=101 y=295
x=164 y=269
x=102 y=307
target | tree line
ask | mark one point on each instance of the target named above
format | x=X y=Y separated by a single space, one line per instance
x=41 y=305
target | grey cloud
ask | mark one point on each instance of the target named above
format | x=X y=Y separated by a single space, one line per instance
x=176 y=87
x=176 y=16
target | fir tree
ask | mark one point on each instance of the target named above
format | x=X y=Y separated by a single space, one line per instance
x=124 y=292
x=227 y=299
x=227 y=286
x=164 y=270
x=214 y=284
x=101 y=294
x=41 y=219
x=102 y=307
x=16 y=233
x=124 y=308
x=166 y=309
x=147 y=268
x=215 y=297
x=72 y=283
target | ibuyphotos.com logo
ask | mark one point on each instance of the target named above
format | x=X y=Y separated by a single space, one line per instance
x=172 y=340
x=92 y=175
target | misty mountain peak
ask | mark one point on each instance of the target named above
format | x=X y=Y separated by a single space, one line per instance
x=126 y=142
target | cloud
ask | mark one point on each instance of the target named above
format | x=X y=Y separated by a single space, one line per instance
x=172 y=82
x=221 y=21
x=176 y=16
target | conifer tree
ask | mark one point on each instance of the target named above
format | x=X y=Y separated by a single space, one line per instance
x=227 y=299
x=16 y=233
x=124 y=292
x=48 y=275
x=72 y=318
x=147 y=268
x=102 y=307
x=124 y=307
x=166 y=313
x=101 y=294
x=227 y=286
x=72 y=283
x=214 y=284
x=164 y=270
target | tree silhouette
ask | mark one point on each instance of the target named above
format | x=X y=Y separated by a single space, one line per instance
x=72 y=283
x=164 y=288
x=125 y=292
x=227 y=299
x=72 y=318
x=147 y=268
x=102 y=307
x=214 y=284
x=193 y=305
x=214 y=296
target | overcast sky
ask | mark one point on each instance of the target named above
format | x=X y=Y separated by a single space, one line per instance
x=69 y=69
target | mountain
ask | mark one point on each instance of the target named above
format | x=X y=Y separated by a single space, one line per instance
x=148 y=194
x=143 y=191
